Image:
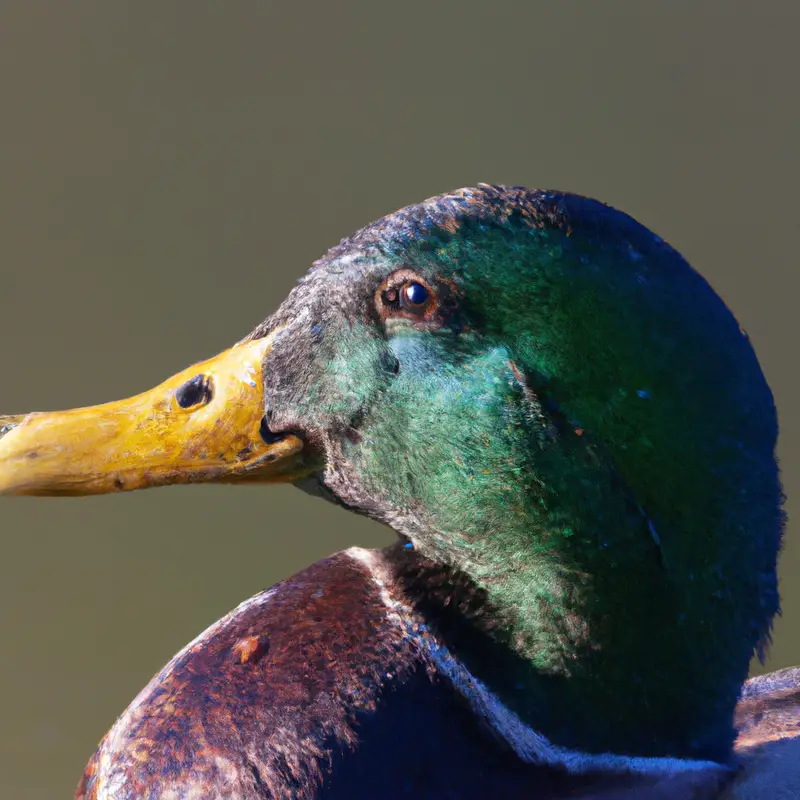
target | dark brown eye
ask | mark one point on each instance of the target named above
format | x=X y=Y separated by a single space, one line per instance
x=415 y=296
x=406 y=295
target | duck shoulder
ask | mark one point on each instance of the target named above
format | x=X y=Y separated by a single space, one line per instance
x=768 y=745
x=257 y=705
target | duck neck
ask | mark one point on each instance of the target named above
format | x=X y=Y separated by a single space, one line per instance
x=590 y=677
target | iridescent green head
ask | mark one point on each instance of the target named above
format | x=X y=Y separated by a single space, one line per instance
x=541 y=394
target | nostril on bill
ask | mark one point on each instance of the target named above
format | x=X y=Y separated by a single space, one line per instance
x=196 y=391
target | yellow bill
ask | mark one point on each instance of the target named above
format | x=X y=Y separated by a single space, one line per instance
x=203 y=424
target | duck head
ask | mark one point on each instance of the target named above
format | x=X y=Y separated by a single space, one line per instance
x=554 y=412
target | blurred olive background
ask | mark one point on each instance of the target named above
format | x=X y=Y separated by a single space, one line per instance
x=167 y=171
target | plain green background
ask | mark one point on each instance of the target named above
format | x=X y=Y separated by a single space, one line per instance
x=168 y=169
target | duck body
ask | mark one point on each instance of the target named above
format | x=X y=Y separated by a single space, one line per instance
x=331 y=685
x=574 y=441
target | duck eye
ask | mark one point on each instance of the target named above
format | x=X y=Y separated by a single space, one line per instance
x=415 y=296
x=406 y=295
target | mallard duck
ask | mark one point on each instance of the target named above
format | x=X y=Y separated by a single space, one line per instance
x=573 y=440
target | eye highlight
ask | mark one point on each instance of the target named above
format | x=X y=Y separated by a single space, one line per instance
x=414 y=296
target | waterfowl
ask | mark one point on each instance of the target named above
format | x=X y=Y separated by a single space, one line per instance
x=572 y=438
